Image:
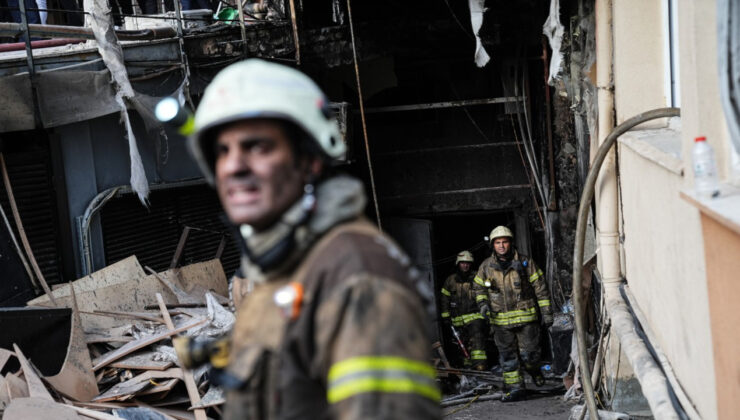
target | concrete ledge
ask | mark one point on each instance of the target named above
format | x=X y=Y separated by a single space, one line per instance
x=724 y=209
x=661 y=146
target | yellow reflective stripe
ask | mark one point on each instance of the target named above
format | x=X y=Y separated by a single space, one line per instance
x=480 y=298
x=468 y=318
x=445 y=292
x=445 y=314
x=393 y=385
x=457 y=322
x=515 y=317
x=478 y=355
x=512 y=377
x=479 y=281
x=535 y=276
x=543 y=302
x=519 y=312
x=387 y=374
x=512 y=321
x=365 y=363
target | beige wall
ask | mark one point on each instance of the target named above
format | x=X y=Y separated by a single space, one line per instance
x=664 y=262
x=638 y=58
x=701 y=111
x=663 y=243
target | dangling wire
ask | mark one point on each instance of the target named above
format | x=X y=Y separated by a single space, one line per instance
x=362 y=115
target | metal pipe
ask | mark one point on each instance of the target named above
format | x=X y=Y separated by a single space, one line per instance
x=27 y=35
x=77 y=32
x=583 y=209
x=440 y=105
x=242 y=28
x=35 y=45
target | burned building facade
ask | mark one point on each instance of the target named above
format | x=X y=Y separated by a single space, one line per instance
x=452 y=113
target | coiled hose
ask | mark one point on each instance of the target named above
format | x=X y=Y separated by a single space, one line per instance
x=586 y=197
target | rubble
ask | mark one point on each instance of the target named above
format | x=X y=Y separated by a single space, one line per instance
x=119 y=361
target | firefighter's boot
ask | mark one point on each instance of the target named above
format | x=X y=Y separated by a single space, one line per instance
x=517 y=394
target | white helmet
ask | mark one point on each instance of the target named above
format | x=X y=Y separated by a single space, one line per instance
x=464 y=256
x=500 y=232
x=256 y=88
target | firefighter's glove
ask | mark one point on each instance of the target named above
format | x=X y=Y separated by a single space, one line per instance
x=485 y=310
x=547 y=320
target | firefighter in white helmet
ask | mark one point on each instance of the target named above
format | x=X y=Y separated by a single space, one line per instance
x=510 y=289
x=459 y=310
x=334 y=326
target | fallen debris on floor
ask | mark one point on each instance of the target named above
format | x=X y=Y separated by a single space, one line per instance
x=112 y=355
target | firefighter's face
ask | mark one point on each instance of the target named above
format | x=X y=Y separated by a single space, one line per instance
x=258 y=176
x=464 y=266
x=502 y=245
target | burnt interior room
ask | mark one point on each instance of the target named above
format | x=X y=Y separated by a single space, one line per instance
x=447 y=137
x=461 y=147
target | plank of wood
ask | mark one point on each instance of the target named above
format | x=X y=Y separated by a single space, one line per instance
x=190 y=385
x=103 y=338
x=36 y=388
x=38 y=408
x=5 y=355
x=214 y=396
x=5 y=395
x=163 y=387
x=129 y=315
x=17 y=387
x=156 y=410
x=129 y=348
x=94 y=414
x=178 y=414
x=76 y=378
x=142 y=361
x=165 y=312
x=127 y=389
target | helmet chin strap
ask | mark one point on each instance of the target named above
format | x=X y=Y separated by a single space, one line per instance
x=280 y=240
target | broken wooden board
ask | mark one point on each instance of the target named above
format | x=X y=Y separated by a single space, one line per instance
x=190 y=384
x=142 y=316
x=178 y=414
x=161 y=387
x=5 y=355
x=127 y=389
x=76 y=378
x=142 y=361
x=105 y=338
x=4 y=394
x=17 y=387
x=215 y=396
x=98 y=415
x=121 y=287
x=36 y=388
x=132 y=346
x=38 y=408
x=196 y=279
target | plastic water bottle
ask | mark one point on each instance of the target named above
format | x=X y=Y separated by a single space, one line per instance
x=706 y=181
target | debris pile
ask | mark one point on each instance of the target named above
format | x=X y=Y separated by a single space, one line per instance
x=119 y=361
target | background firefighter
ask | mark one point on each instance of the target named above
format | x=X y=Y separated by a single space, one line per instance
x=459 y=309
x=509 y=288
x=333 y=326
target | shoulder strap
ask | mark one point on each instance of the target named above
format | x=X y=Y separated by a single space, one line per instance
x=360 y=226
